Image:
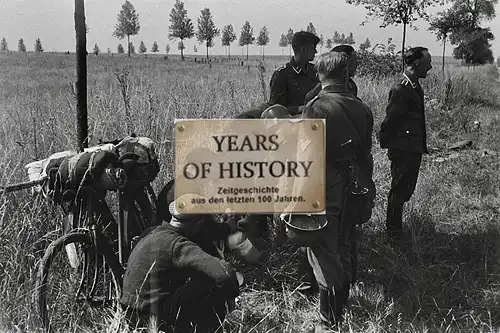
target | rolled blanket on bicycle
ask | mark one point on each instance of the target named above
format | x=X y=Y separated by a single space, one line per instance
x=68 y=175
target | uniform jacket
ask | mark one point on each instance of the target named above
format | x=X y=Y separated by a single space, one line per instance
x=335 y=104
x=162 y=261
x=403 y=127
x=351 y=87
x=290 y=84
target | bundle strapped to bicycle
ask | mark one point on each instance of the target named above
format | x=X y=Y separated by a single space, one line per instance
x=127 y=165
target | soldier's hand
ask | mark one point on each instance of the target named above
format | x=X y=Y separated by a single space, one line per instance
x=233 y=225
x=230 y=221
x=248 y=226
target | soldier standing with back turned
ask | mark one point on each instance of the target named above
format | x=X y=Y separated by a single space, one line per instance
x=349 y=125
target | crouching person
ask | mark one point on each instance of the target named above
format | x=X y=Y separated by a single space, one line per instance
x=171 y=278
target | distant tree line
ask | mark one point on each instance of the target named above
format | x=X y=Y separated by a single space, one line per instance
x=459 y=25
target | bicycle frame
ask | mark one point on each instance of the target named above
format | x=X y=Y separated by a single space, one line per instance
x=127 y=217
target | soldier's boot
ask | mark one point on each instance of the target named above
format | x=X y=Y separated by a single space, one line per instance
x=327 y=311
x=354 y=262
x=306 y=275
x=338 y=302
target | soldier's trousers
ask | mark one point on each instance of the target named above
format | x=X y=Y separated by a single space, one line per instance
x=330 y=258
x=197 y=306
x=405 y=167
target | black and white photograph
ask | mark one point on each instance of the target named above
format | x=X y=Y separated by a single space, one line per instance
x=238 y=166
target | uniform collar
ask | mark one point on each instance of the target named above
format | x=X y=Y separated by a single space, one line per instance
x=413 y=84
x=334 y=88
x=296 y=67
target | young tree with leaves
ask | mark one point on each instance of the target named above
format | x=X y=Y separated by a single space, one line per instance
x=127 y=23
x=443 y=25
x=474 y=47
x=154 y=47
x=472 y=39
x=396 y=12
x=289 y=38
x=350 y=39
x=321 y=42
x=38 y=45
x=206 y=29
x=365 y=45
x=283 y=43
x=228 y=37
x=329 y=43
x=246 y=37
x=167 y=49
x=131 y=48
x=337 y=39
x=96 y=49
x=120 y=49
x=142 y=48
x=3 y=45
x=180 y=25
x=263 y=39
x=20 y=46
x=311 y=28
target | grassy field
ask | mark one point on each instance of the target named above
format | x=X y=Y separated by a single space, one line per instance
x=445 y=279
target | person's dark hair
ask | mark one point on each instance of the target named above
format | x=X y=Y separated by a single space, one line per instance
x=348 y=49
x=413 y=54
x=302 y=38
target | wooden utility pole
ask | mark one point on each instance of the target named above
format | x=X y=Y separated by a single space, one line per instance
x=81 y=73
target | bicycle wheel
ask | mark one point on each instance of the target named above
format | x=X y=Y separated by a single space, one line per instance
x=77 y=284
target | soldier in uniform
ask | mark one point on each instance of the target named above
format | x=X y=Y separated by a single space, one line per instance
x=349 y=124
x=291 y=82
x=403 y=133
x=289 y=85
x=353 y=64
x=170 y=276
x=352 y=88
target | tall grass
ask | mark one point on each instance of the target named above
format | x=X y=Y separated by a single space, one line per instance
x=445 y=279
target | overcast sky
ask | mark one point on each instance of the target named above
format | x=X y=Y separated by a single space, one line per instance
x=53 y=22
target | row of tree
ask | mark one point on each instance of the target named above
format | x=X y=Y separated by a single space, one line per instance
x=182 y=28
x=460 y=25
x=21 y=47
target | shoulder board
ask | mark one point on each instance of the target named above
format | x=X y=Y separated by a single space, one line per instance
x=280 y=68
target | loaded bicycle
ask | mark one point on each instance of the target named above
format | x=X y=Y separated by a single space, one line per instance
x=80 y=275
